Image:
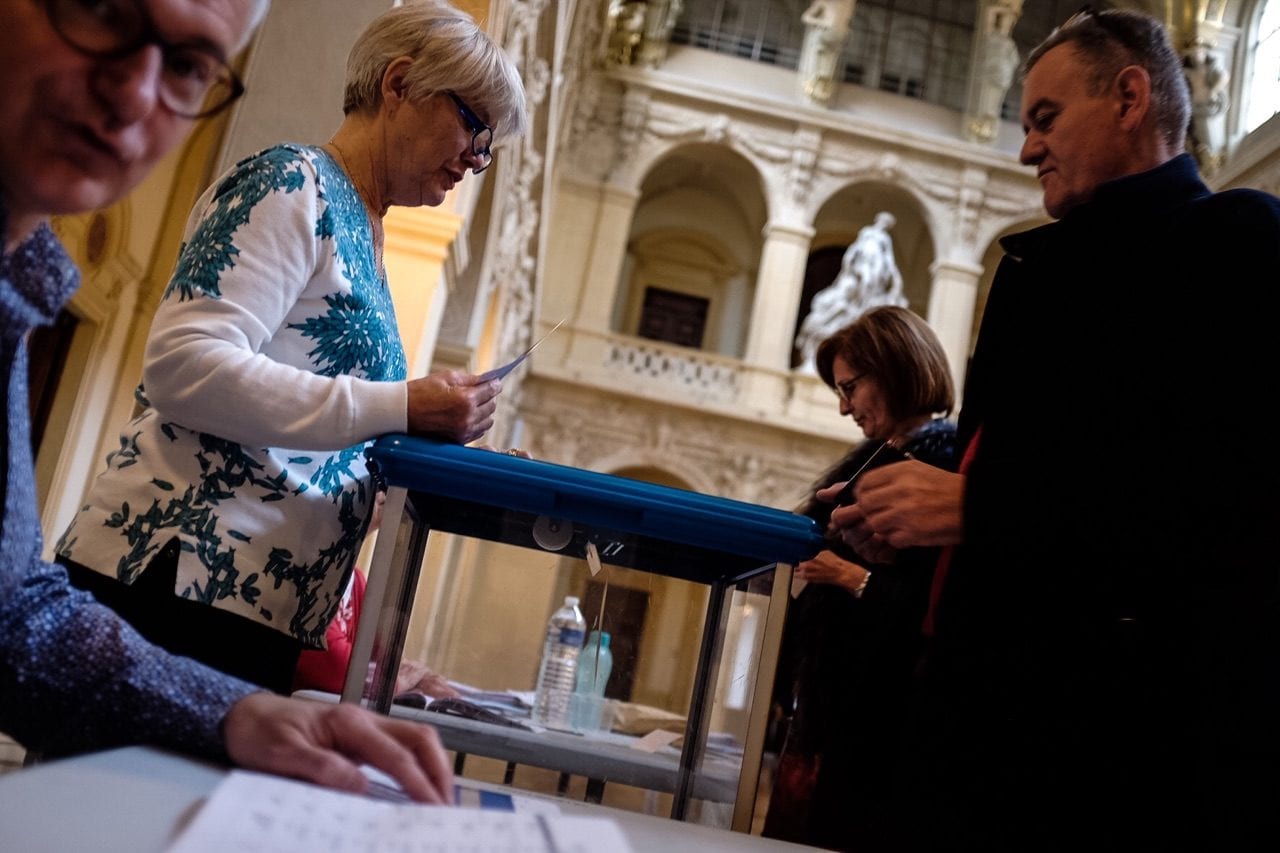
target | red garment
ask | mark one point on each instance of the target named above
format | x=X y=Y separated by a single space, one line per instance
x=944 y=559
x=327 y=670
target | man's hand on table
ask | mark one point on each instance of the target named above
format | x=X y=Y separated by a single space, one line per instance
x=326 y=744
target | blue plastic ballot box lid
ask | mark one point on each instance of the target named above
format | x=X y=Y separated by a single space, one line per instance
x=459 y=488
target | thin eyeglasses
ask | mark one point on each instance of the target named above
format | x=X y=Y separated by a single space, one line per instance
x=846 y=389
x=481 y=133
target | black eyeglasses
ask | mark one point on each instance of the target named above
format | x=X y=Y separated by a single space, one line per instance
x=194 y=80
x=481 y=133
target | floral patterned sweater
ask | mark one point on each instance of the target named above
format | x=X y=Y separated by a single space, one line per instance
x=273 y=360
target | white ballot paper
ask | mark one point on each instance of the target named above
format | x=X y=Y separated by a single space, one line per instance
x=256 y=813
x=500 y=372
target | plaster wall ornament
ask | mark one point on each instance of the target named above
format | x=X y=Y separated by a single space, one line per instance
x=594 y=138
x=632 y=127
x=717 y=128
x=748 y=477
x=804 y=157
x=576 y=425
x=969 y=204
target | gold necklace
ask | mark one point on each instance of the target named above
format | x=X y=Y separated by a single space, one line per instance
x=374 y=219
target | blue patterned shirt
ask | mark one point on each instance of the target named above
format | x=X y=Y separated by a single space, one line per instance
x=73 y=676
x=273 y=359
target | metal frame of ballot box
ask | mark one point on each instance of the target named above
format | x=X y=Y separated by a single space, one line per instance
x=643 y=526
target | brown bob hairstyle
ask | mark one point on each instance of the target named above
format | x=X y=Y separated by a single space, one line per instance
x=901 y=352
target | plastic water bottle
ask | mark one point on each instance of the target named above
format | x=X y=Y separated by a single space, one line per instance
x=558 y=673
x=595 y=663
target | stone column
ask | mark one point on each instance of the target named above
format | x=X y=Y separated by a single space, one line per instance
x=779 y=286
x=952 y=299
x=600 y=283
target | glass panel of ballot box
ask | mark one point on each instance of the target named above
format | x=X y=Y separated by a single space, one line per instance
x=478 y=548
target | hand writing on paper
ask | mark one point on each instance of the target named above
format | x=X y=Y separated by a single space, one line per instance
x=326 y=744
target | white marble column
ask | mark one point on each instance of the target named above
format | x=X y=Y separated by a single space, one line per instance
x=779 y=286
x=952 y=299
x=602 y=282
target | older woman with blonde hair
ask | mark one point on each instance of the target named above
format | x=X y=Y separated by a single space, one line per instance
x=227 y=524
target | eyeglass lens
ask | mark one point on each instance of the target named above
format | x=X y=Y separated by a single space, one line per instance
x=481 y=133
x=194 y=81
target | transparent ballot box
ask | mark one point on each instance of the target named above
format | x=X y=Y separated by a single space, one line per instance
x=478 y=548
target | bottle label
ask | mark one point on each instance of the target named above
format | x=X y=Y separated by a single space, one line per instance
x=571 y=637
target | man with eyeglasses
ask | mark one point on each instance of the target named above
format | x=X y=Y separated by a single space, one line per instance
x=94 y=94
x=1105 y=664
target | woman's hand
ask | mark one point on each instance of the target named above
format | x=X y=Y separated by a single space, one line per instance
x=420 y=678
x=453 y=405
x=514 y=451
x=826 y=567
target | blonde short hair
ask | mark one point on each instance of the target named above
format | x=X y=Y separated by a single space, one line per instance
x=450 y=52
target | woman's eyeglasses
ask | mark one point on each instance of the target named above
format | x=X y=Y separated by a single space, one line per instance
x=845 y=390
x=481 y=133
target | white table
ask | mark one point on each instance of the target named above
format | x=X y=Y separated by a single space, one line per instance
x=137 y=799
x=600 y=757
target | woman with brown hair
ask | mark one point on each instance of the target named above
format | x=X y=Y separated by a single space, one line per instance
x=853 y=634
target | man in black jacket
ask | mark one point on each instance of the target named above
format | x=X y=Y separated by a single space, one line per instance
x=1105 y=665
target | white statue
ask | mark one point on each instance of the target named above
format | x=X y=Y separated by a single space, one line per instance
x=999 y=60
x=626 y=29
x=1208 y=82
x=659 y=20
x=826 y=26
x=868 y=277
x=997 y=63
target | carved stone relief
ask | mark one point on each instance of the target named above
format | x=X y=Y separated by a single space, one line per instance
x=587 y=428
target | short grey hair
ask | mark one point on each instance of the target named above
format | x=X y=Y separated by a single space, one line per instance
x=1110 y=40
x=450 y=52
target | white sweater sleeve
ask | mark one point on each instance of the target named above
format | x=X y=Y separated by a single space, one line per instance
x=204 y=366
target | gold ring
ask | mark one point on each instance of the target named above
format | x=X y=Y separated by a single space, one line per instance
x=513 y=452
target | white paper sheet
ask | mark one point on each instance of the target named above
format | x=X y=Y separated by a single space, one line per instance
x=501 y=372
x=256 y=813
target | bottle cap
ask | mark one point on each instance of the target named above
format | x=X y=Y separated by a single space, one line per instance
x=571 y=601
